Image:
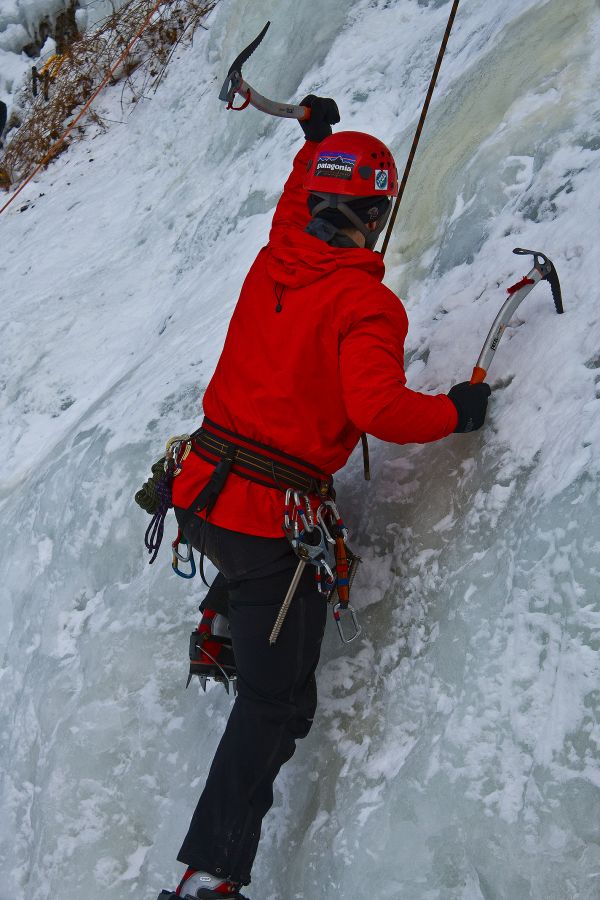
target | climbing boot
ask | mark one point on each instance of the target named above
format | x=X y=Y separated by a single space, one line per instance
x=197 y=885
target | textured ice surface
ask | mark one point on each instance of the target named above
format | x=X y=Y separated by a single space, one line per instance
x=455 y=755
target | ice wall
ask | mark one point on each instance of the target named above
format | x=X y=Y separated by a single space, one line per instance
x=455 y=755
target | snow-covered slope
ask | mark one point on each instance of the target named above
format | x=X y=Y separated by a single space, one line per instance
x=456 y=751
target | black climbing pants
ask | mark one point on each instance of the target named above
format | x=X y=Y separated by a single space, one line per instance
x=276 y=698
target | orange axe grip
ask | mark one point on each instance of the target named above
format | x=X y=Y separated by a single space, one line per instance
x=478 y=375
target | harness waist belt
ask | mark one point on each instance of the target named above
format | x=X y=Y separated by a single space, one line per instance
x=258 y=462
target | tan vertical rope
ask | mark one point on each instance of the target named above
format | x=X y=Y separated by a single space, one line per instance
x=407 y=168
x=51 y=152
x=420 y=125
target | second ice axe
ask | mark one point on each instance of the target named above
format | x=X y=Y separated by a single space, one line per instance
x=543 y=270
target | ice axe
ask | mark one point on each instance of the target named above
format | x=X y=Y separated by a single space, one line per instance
x=543 y=270
x=235 y=84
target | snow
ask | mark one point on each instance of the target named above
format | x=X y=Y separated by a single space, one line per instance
x=455 y=755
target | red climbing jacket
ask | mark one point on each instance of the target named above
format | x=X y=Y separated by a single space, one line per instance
x=309 y=378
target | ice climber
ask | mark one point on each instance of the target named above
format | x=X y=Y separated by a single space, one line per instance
x=313 y=357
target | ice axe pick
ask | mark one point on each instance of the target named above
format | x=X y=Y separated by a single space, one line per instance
x=543 y=270
x=235 y=84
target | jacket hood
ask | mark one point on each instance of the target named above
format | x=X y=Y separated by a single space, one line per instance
x=296 y=259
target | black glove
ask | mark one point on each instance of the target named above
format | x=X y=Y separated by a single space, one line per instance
x=323 y=114
x=471 y=402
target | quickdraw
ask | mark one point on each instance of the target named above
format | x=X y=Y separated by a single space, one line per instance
x=345 y=572
x=311 y=539
x=308 y=537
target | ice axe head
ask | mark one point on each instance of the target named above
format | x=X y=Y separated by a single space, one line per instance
x=234 y=75
x=548 y=272
x=235 y=84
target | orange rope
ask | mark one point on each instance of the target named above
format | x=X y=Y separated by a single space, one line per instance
x=51 y=152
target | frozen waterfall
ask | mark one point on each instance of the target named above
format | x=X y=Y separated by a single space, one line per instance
x=456 y=751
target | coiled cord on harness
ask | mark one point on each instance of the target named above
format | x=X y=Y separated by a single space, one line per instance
x=156 y=494
x=154 y=532
x=155 y=497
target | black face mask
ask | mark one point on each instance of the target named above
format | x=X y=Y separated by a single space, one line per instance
x=371 y=237
x=325 y=231
x=354 y=212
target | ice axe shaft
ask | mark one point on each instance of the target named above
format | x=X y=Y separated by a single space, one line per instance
x=235 y=84
x=543 y=270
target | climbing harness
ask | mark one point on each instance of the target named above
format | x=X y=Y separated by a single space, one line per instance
x=259 y=462
x=228 y=452
x=315 y=529
x=311 y=538
x=543 y=270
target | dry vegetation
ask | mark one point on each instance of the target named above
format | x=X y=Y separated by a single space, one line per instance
x=41 y=118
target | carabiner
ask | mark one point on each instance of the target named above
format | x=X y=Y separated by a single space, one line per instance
x=338 y=609
x=321 y=520
x=329 y=507
x=177 y=451
x=179 y=557
x=288 y=523
x=325 y=586
x=304 y=511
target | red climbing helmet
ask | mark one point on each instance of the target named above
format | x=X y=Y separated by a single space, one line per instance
x=351 y=162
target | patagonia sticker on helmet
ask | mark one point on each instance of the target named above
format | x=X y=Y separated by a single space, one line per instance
x=381 y=179
x=335 y=165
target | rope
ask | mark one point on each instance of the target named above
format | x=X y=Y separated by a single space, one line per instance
x=407 y=168
x=53 y=149
x=147 y=497
x=155 y=530
x=420 y=125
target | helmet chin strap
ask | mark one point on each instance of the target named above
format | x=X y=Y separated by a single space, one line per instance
x=334 y=201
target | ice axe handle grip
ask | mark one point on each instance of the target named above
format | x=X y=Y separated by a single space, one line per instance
x=478 y=376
